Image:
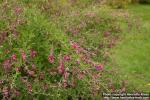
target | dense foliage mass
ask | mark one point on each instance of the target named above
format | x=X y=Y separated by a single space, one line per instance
x=58 y=49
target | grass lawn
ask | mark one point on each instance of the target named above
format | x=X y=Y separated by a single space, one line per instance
x=132 y=55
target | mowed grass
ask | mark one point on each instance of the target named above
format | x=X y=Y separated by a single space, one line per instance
x=132 y=55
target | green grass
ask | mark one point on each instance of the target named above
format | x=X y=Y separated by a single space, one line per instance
x=132 y=55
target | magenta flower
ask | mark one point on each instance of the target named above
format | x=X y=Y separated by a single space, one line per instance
x=1 y=82
x=17 y=93
x=33 y=67
x=14 y=57
x=33 y=53
x=42 y=75
x=123 y=89
x=18 y=69
x=61 y=67
x=5 y=92
x=29 y=87
x=65 y=83
x=94 y=76
x=18 y=10
x=106 y=33
x=67 y=58
x=23 y=55
x=80 y=75
x=31 y=73
x=51 y=57
x=66 y=75
x=74 y=45
x=7 y=65
x=78 y=61
x=99 y=67
x=125 y=82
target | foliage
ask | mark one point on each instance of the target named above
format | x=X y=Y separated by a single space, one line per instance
x=118 y=3
x=141 y=1
x=144 y=1
x=57 y=49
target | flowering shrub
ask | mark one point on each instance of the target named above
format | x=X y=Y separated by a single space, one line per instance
x=40 y=58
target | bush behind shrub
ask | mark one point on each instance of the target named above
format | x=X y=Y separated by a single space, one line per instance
x=118 y=3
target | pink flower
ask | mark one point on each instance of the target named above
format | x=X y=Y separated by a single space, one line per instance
x=90 y=14
x=74 y=45
x=123 y=89
x=125 y=82
x=99 y=67
x=81 y=75
x=5 y=91
x=23 y=55
x=14 y=57
x=94 y=76
x=31 y=73
x=17 y=93
x=65 y=83
x=18 y=10
x=61 y=67
x=33 y=53
x=78 y=61
x=1 y=82
x=106 y=33
x=7 y=65
x=42 y=75
x=67 y=58
x=66 y=75
x=14 y=33
x=18 y=69
x=29 y=87
x=51 y=57
x=33 y=67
